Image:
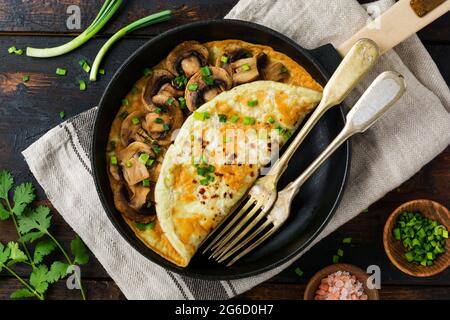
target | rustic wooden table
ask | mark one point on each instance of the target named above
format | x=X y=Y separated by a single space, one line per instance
x=29 y=110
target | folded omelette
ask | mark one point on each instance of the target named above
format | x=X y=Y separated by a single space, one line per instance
x=217 y=156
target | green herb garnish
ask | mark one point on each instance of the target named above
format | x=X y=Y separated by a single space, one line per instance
x=26 y=78
x=114 y=160
x=82 y=85
x=135 y=120
x=249 y=121
x=222 y=117
x=61 y=71
x=193 y=87
x=234 y=118
x=201 y=116
x=252 y=103
x=144 y=227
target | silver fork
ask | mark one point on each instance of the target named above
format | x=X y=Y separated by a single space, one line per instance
x=378 y=98
x=262 y=195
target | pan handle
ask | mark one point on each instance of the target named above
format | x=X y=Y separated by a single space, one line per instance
x=398 y=23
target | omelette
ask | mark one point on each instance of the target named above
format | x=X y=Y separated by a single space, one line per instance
x=197 y=188
x=222 y=85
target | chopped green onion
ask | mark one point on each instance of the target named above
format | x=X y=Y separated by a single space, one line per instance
x=61 y=71
x=150 y=162
x=208 y=80
x=114 y=160
x=284 y=69
x=26 y=78
x=11 y=50
x=204 y=181
x=101 y=71
x=134 y=90
x=159 y=120
x=180 y=81
x=246 y=67
x=206 y=71
x=129 y=164
x=106 y=12
x=182 y=102
x=252 y=103
x=135 y=120
x=298 y=271
x=146 y=183
x=335 y=258
x=347 y=240
x=143 y=158
x=112 y=145
x=224 y=59
x=158 y=110
x=201 y=116
x=147 y=71
x=82 y=85
x=223 y=118
x=340 y=252
x=19 y=52
x=82 y=62
x=234 y=118
x=141 y=23
x=193 y=87
x=86 y=67
x=125 y=102
x=143 y=226
x=166 y=127
x=156 y=150
x=62 y=114
x=271 y=120
x=170 y=101
x=249 y=121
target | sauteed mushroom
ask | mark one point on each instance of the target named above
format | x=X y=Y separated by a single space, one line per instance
x=187 y=58
x=159 y=80
x=131 y=129
x=135 y=207
x=205 y=85
x=275 y=71
x=167 y=117
x=133 y=161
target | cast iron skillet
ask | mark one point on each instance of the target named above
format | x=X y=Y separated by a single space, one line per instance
x=319 y=197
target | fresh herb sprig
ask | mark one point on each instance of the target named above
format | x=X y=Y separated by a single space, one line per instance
x=32 y=224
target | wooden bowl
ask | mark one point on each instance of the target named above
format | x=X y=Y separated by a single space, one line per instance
x=314 y=282
x=395 y=250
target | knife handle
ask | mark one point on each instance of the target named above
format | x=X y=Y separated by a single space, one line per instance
x=395 y=25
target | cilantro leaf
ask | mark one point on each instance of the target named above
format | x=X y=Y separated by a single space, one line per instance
x=4 y=255
x=23 y=196
x=21 y=293
x=6 y=183
x=4 y=214
x=38 y=278
x=79 y=251
x=37 y=219
x=58 y=270
x=16 y=254
x=43 y=248
x=31 y=236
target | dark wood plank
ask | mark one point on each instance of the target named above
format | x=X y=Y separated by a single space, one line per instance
x=270 y=291
x=95 y=290
x=50 y=18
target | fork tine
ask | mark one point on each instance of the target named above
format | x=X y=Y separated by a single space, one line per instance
x=242 y=234
x=212 y=244
x=253 y=246
x=255 y=233
x=223 y=243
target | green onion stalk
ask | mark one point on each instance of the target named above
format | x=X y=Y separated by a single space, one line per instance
x=141 y=23
x=108 y=9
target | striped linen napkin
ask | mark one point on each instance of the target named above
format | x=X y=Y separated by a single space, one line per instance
x=415 y=131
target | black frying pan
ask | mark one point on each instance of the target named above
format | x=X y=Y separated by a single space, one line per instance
x=319 y=197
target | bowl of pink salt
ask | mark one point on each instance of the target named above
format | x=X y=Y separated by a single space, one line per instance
x=340 y=282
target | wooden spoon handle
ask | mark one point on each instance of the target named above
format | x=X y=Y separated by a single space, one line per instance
x=395 y=25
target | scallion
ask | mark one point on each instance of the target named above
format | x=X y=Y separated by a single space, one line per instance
x=26 y=78
x=106 y=12
x=82 y=85
x=193 y=87
x=141 y=23
x=61 y=71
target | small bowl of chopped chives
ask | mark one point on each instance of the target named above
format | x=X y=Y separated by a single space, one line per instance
x=415 y=238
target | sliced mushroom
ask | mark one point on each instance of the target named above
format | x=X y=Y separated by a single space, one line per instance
x=131 y=129
x=247 y=70
x=135 y=206
x=134 y=171
x=187 y=58
x=206 y=88
x=232 y=53
x=161 y=125
x=275 y=71
x=158 y=81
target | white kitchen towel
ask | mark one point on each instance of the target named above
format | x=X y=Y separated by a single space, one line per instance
x=412 y=134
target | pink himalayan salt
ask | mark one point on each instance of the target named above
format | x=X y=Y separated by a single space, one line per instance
x=340 y=286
